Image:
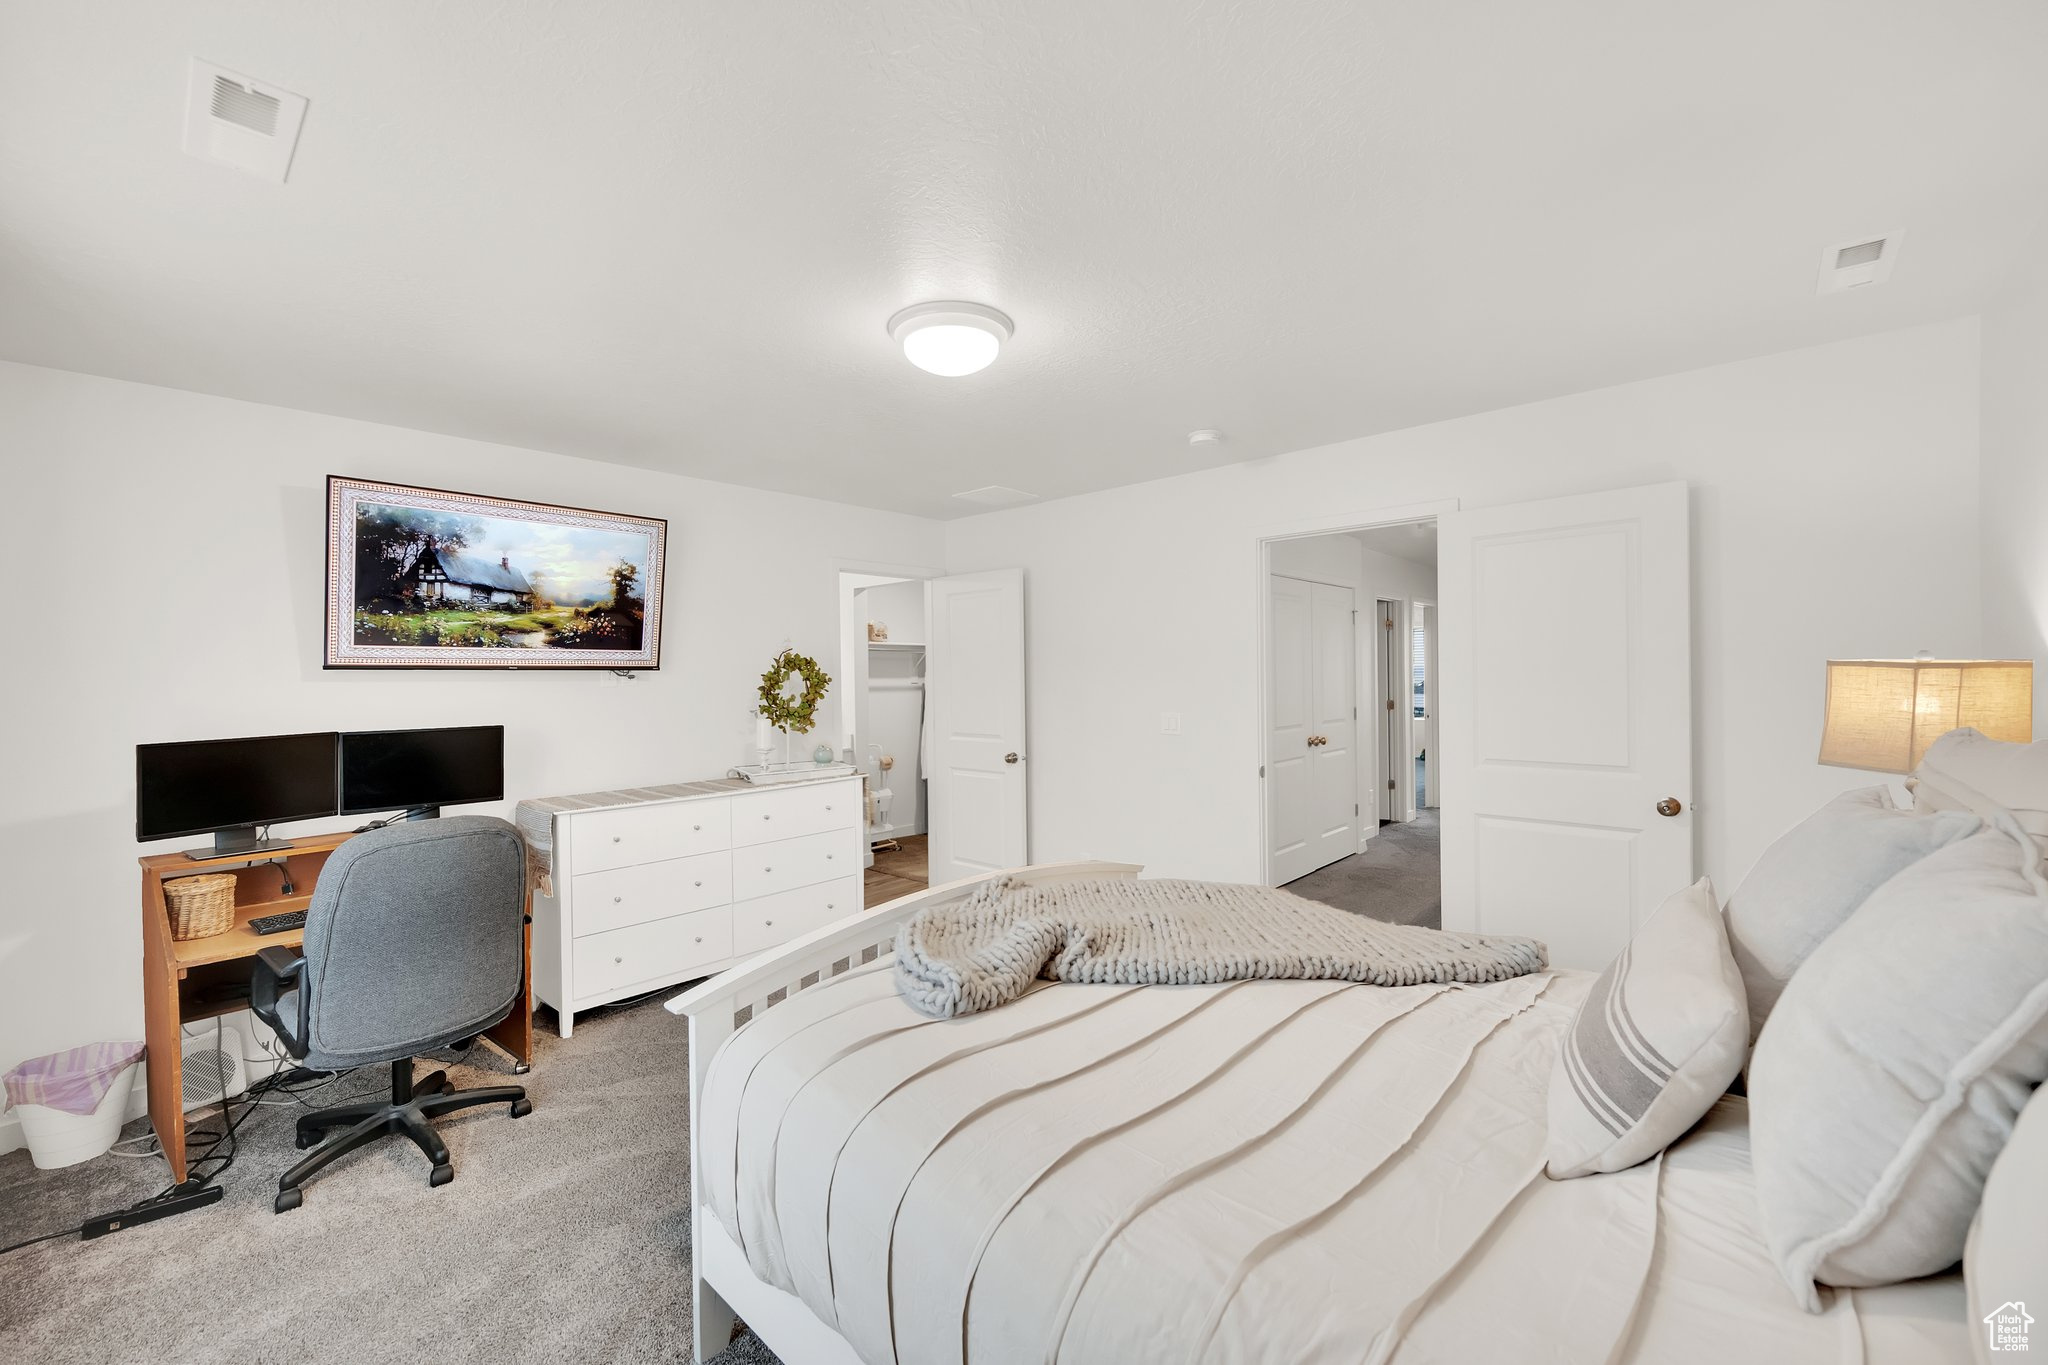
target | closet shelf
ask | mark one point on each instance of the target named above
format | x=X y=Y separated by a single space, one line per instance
x=894 y=644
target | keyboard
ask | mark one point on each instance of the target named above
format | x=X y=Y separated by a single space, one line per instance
x=278 y=924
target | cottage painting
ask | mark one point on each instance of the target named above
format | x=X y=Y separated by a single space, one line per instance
x=421 y=578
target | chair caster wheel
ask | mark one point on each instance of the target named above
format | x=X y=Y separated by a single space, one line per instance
x=521 y=1108
x=287 y=1200
x=442 y=1175
x=305 y=1140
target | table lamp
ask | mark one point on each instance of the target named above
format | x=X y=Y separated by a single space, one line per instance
x=1883 y=713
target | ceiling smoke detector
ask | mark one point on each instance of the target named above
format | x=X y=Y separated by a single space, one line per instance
x=1858 y=262
x=235 y=120
x=950 y=339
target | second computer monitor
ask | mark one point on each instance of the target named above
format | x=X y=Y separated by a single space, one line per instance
x=421 y=770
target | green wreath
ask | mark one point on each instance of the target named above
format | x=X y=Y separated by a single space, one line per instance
x=793 y=714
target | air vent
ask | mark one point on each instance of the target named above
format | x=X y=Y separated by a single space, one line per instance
x=236 y=120
x=211 y=1067
x=1858 y=262
x=997 y=495
x=236 y=103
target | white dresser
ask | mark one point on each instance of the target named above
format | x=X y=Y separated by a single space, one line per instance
x=666 y=890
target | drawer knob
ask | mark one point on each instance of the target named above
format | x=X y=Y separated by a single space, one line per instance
x=828 y=805
x=696 y=883
x=767 y=869
x=618 y=959
x=615 y=838
x=696 y=827
x=769 y=923
x=828 y=857
x=700 y=938
x=828 y=905
x=766 y=817
x=617 y=899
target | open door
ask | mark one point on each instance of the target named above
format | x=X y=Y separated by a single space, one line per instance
x=1566 y=725
x=1312 y=810
x=975 y=694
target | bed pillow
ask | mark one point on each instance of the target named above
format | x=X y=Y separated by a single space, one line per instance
x=1965 y=771
x=1813 y=878
x=1656 y=1041
x=1893 y=1068
x=2005 y=1263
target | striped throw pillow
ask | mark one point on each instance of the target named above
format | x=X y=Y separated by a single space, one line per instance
x=1658 y=1039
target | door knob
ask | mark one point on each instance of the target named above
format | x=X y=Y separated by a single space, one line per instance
x=1670 y=805
x=1009 y=758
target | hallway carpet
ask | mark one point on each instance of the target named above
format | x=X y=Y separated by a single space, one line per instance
x=1399 y=878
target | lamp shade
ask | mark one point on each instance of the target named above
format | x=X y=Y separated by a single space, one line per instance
x=1883 y=713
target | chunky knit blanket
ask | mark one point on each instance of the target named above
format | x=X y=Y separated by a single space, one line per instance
x=978 y=953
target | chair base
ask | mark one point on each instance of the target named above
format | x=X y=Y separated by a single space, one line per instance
x=410 y=1111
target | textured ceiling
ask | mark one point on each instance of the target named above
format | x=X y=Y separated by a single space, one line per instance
x=669 y=234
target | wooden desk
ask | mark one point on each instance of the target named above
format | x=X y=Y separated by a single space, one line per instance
x=202 y=977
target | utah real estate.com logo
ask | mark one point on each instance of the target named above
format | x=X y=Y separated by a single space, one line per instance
x=2008 y=1324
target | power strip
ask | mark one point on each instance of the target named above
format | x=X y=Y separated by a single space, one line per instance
x=176 y=1202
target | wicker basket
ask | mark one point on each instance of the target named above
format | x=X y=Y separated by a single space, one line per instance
x=201 y=906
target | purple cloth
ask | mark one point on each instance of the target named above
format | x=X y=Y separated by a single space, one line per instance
x=74 y=1081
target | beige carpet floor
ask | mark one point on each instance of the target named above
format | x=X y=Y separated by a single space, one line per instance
x=1399 y=878
x=562 y=1238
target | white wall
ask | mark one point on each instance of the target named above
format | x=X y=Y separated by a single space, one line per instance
x=167 y=550
x=1834 y=514
x=2015 y=486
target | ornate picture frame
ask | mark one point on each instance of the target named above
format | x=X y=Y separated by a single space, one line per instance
x=428 y=578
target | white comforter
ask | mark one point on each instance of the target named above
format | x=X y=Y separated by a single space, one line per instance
x=1272 y=1171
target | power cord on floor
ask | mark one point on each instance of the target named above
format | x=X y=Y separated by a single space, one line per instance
x=197 y=1176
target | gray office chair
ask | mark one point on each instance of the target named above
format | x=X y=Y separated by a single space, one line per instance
x=413 y=942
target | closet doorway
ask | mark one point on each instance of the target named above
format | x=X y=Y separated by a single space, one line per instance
x=933 y=716
x=883 y=660
x=1349 y=815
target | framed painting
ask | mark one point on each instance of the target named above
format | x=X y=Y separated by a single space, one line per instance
x=425 y=578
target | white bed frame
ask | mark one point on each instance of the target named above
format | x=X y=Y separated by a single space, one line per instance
x=722 y=1285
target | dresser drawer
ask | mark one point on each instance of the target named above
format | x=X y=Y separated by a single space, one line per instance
x=674 y=948
x=758 y=817
x=603 y=839
x=763 y=923
x=633 y=895
x=765 y=869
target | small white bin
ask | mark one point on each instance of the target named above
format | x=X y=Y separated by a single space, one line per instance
x=56 y=1138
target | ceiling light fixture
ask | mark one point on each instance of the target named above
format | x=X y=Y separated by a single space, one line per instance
x=1207 y=436
x=950 y=339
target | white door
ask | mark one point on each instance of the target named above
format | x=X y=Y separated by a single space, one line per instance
x=1391 y=696
x=1312 y=727
x=1426 y=727
x=1566 y=724
x=974 y=689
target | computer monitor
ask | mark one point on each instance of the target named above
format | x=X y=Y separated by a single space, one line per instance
x=230 y=787
x=420 y=771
